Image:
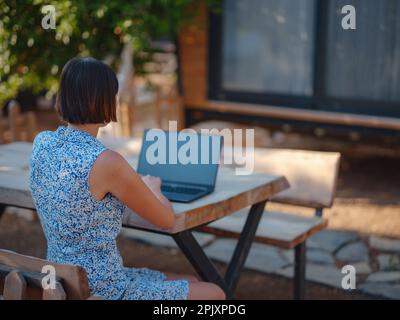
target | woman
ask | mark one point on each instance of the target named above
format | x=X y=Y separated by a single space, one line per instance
x=80 y=190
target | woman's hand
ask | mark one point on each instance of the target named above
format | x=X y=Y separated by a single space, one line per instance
x=154 y=184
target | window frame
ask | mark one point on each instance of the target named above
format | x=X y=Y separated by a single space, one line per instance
x=318 y=101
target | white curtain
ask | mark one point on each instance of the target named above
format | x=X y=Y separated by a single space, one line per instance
x=364 y=63
x=268 y=46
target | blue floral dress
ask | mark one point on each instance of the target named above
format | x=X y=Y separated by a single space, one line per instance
x=81 y=230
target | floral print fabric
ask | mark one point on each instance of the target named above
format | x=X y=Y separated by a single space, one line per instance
x=81 y=230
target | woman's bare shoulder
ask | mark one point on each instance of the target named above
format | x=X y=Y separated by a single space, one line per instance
x=108 y=171
x=110 y=157
x=110 y=161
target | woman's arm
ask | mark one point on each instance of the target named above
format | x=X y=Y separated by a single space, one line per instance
x=111 y=173
x=154 y=184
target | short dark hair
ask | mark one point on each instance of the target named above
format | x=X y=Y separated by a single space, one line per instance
x=87 y=92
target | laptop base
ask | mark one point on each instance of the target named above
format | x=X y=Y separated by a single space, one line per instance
x=184 y=198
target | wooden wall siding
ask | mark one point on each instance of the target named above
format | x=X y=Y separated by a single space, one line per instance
x=193 y=47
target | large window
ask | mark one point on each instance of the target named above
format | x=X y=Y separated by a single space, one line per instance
x=296 y=54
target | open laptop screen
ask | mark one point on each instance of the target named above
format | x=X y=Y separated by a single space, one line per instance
x=180 y=157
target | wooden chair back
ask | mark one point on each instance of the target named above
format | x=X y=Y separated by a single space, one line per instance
x=19 y=126
x=169 y=106
x=22 y=125
x=21 y=278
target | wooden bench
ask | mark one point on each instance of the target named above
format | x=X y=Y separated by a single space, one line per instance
x=312 y=177
x=21 y=278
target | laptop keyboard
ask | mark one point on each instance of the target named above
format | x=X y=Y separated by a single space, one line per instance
x=179 y=189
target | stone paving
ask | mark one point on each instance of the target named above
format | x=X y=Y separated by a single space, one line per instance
x=375 y=259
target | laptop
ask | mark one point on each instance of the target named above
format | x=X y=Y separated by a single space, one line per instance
x=185 y=175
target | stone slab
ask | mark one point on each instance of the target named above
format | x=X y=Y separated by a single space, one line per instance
x=384 y=276
x=362 y=267
x=160 y=240
x=388 y=262
x=323 y=274
x=331 y=240
x=261 y=257
x=385 y=290
x=385 y=244
x=353 y=252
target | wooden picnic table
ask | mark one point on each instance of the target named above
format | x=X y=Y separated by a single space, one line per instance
x=232 y=193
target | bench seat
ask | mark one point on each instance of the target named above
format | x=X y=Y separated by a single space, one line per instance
x=279 y=229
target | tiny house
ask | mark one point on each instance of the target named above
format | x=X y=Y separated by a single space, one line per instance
x=285 y=62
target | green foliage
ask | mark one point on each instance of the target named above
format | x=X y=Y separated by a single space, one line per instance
x=32 y=57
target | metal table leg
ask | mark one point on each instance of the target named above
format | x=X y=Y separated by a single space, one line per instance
x=243 y=247
x=198 y=259
x=202 y=264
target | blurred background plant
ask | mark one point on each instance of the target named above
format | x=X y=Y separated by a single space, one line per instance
x=32 y=57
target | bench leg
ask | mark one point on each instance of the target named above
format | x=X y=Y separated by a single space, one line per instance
x=2 y=209
x=299 y=271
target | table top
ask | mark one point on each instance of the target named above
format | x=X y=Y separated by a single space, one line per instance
x=232 y=192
